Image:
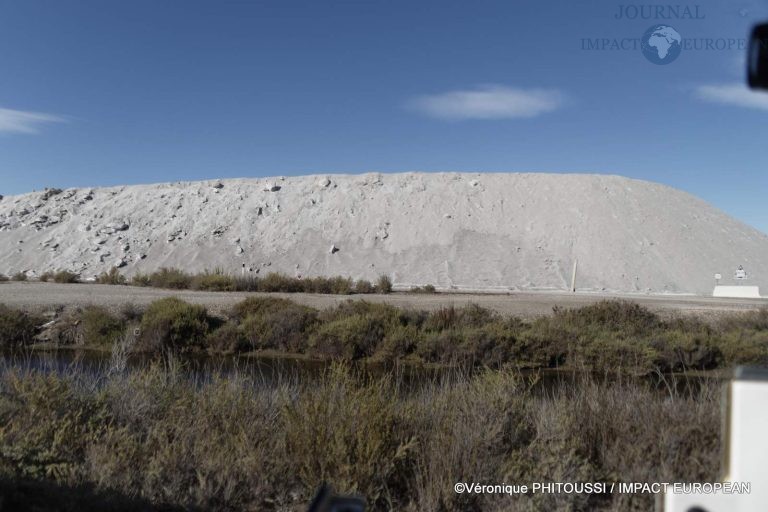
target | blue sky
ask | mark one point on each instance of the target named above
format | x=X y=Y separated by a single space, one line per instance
x=107 y=92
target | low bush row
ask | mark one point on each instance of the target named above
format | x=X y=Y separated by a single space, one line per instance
x=219 y=281
x=612 y=336
x=273 y=282
x=62 y=276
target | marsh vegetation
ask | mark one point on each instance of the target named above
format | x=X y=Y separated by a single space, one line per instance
x=163 y=434
x=157 y=438
x=607 y=337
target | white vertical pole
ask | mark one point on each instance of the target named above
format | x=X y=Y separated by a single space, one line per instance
x=573 y=276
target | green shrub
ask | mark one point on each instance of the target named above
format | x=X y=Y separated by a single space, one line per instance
x=64 y=276
x=350 y=338
x=451 y=317
x=268 y=322
x=316 y=285
x=246 y=283
x=100 y=327
x=385 y=312
x=112 y=277
x=360 y=437
x=274 y=282
x=3 y=278
x=47 y=435
x=227 y=339
x=17 y=328
x=615 y=315
x=440 y=346
x=750 y=320
x=493 y=345
x=341 y=285
x=545 y=343
x=384 y=284
x=141 y=280
x=363 y=286
x=258 y=306
x=399 y=342
x=172 y=324
x=357 y=328
x=46 y=276
x=741 y=339
x=213 y=282
x=172 y=278
x=19 y=276
x=92 y=325
x=283 y=328
x=131 y=312
x=427 y=288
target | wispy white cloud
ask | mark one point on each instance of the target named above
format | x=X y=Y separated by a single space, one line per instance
x=732 y=94
x=488 y=102
x=20 y=121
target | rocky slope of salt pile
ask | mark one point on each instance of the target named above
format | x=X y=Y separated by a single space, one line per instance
x=466 y=231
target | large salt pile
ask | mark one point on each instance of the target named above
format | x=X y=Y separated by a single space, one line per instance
x=461 y=230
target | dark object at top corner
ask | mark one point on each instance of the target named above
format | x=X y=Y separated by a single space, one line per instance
x=757 y=57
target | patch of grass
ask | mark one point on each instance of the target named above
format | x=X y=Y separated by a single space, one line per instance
x=258 y=306
x=112 y=277
x=19 y=276
x=341 y=285
x=3 y=278
x=235 y=443
x=140 y=279
x=64 y=276
x=613 y=315
x=215 y=281
x=427 y=288
x=172 y=278
x=275 y=282
x=246 y=282
x=451 y=317
x=363 y=286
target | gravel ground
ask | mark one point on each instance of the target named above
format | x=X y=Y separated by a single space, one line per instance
x=47 y=296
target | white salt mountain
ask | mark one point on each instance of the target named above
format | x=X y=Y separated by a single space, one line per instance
x=463 y=231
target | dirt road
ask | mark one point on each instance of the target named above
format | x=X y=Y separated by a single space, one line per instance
x=46 y=296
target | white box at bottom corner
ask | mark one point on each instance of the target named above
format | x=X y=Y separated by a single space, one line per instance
x=713 y=503
x=747 y=455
